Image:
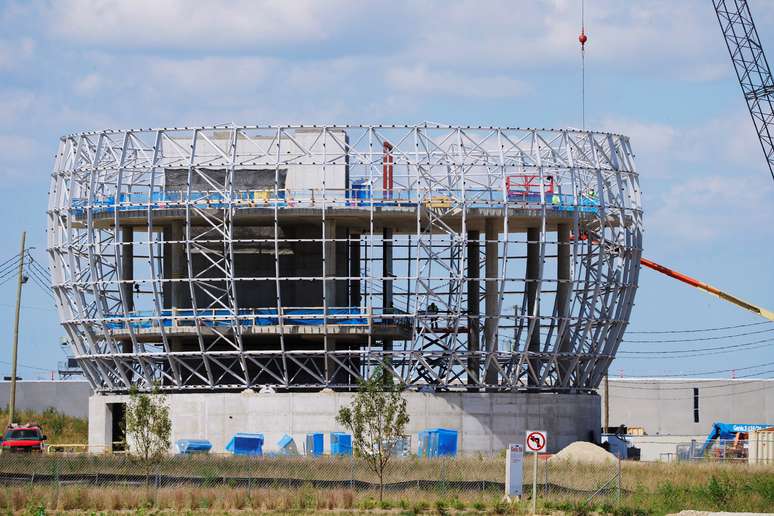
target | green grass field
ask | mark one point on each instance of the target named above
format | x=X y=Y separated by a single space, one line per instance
x=648 y=488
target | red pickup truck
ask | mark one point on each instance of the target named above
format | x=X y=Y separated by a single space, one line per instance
x=23 y=438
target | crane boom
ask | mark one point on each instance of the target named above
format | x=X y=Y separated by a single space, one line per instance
x=752 y=69
x=708 y=288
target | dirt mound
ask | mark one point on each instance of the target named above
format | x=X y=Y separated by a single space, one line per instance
x=580 y=451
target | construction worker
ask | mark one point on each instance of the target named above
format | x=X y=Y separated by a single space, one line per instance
x=432 y=310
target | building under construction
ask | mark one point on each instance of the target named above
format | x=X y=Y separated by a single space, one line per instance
x=246 y=269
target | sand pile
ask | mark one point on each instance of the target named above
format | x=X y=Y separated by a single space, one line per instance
x=580 y=451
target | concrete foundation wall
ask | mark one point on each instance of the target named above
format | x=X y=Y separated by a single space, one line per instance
x=70 y=398
x=486 y=422
x=663 y=447
x=667 y=406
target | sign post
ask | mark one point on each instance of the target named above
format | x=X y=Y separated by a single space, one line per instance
x=514 y=477
x=536 y=442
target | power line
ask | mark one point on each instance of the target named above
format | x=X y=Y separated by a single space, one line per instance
x=700 y=373
x=698 y=330
x=694 y=355
x=15 y=257
x=688 y=351
x=27 y=366
x=725 y=395
x=701 y=339
x=688 y=384
x=32 y=307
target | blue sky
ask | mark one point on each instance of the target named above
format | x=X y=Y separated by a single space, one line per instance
x=657 y=71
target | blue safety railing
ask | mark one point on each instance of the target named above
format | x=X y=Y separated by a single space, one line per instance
x=360 y=195
x=352 y=316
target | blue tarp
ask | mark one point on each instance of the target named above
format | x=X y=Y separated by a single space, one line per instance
x=193 y=446
x=246 y=444
x=341 y=443
x=728 y=431
x=437 y=442
x=287 y=446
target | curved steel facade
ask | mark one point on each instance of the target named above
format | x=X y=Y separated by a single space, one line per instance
x=304 y=257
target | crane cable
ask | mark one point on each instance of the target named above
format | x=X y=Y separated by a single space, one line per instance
x=582 y=38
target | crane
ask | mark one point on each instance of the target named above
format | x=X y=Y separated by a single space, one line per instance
x=752 y=69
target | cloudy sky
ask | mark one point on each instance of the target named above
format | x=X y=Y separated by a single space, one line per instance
x=657 y=71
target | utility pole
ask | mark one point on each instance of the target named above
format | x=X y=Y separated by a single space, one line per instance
x=12 y=404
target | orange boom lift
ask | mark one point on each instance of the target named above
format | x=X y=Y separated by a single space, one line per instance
x=708 y=288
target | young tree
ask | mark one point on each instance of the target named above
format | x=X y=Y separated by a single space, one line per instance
x=377 y=420
x=148 y=428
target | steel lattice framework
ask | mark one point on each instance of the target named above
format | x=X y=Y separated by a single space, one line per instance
x=305 y=257
x=751 y=67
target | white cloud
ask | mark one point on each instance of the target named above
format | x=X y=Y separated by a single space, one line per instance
x=88 y=84
x=206 y=75
x=678 y=39
x=14 y=52
x=185 y=24
x=700 y=181
x=15 y=152
x=681 y=39
x=706 y=209
x=15 y=104
x=421 y=80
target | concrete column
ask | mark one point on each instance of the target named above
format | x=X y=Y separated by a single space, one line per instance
x=563 y=291
x=127 y=266
x=491 y=296
x=342 y=265
x=127 y=275
x=533 y=303
x=178 y=265
x=387 y=275
x=474 y=310
x=387 y=271
x=178 y=270
x=329 y=289
x=354 y=270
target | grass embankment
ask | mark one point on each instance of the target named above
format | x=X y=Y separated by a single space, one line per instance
x=59 y=428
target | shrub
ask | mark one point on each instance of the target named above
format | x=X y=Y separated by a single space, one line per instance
x=719 y=491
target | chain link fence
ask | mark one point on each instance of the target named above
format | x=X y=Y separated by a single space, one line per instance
x=741 y=451
x=445 y=476
x=581 y=481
